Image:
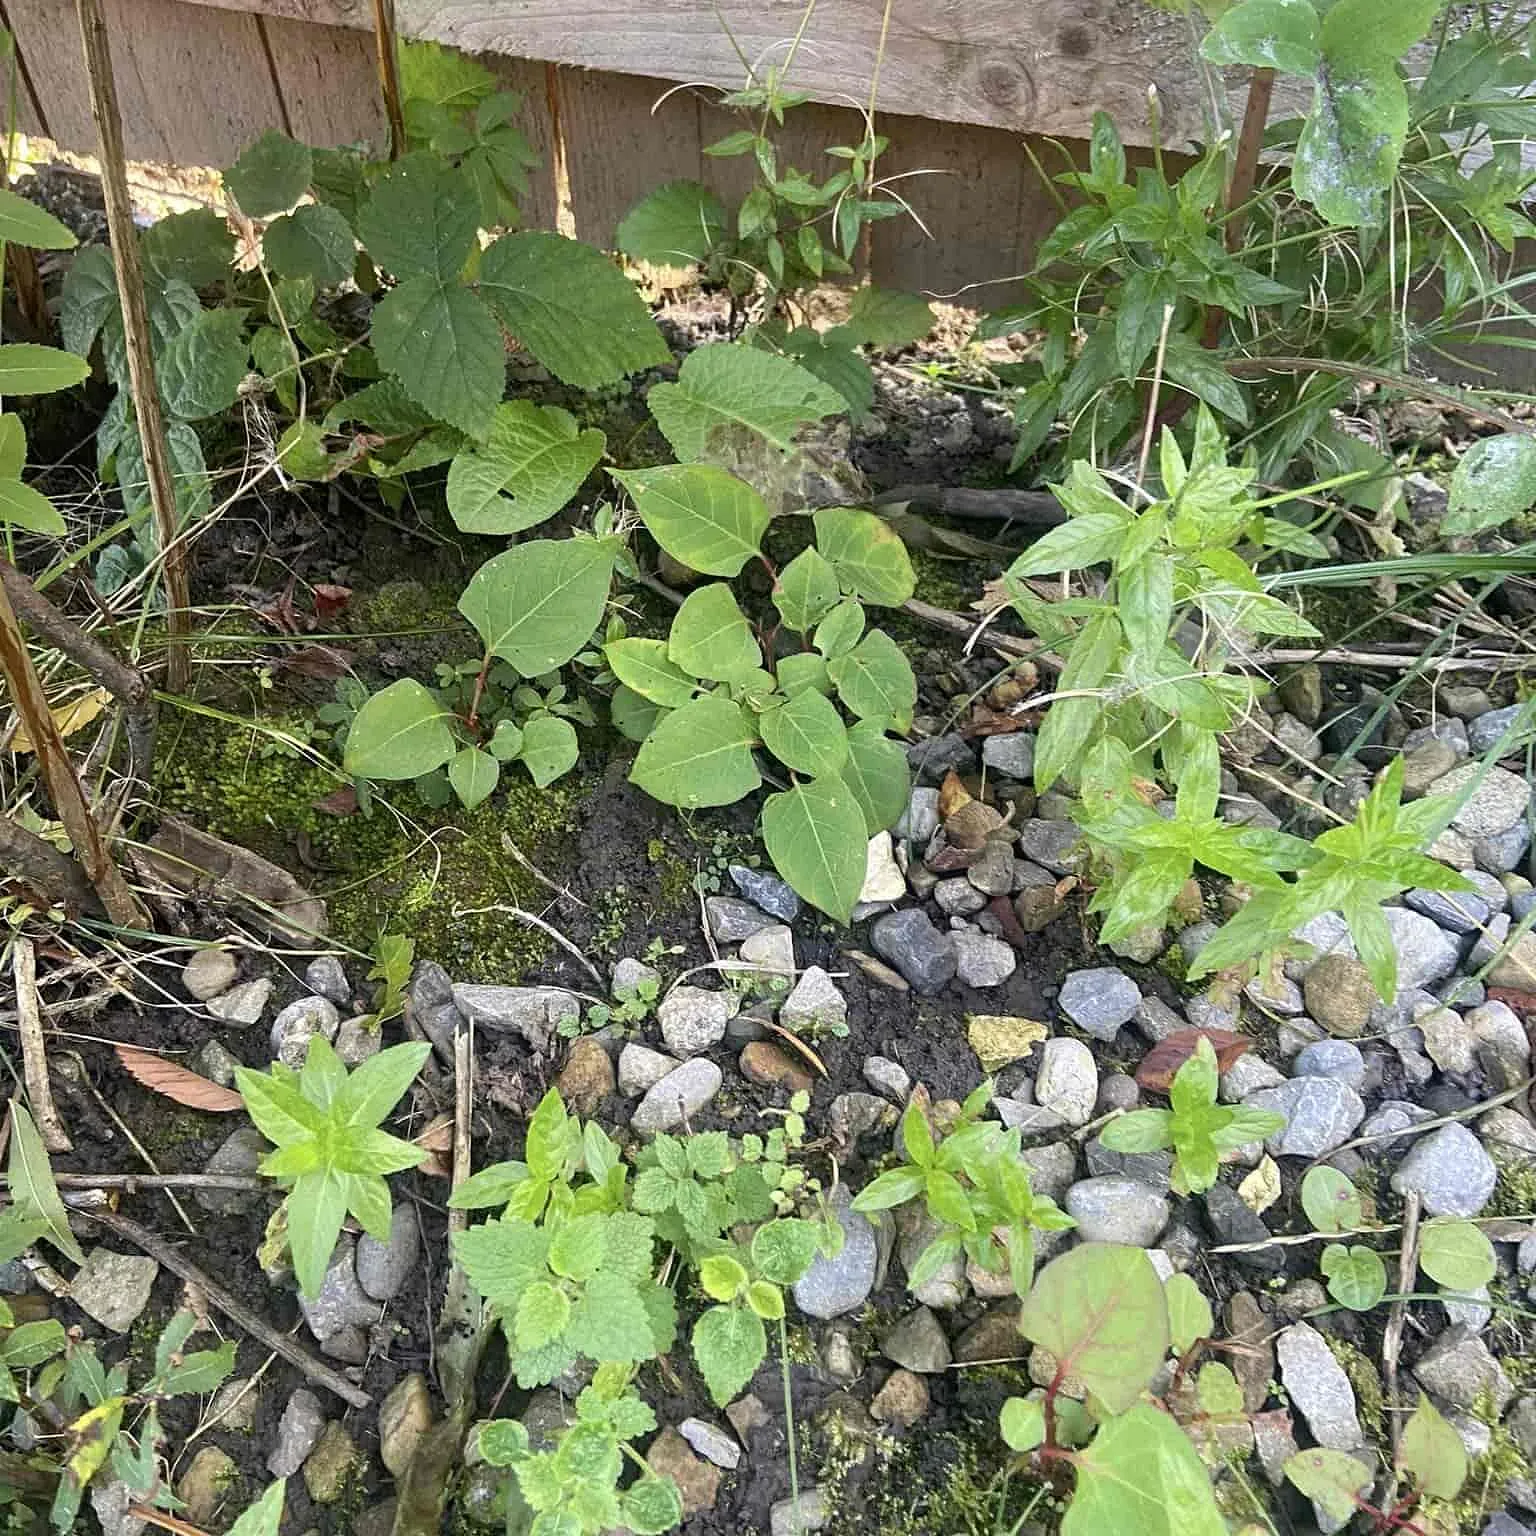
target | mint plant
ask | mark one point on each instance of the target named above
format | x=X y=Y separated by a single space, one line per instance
x=574 y=1489
x=330 y=1154
x=974 y=1186
x=746 y=1284
x=1195 y=1126
x=696 y=1188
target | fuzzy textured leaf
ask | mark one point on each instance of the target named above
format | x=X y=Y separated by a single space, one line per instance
x=314 y=241
x=729 y=1344
x=201 y=371
x=271 y=174
x=530 y=466
x=571 y=307
x=441 y=342
x=677 y=225
x=420 y=220
x=1494 y=482
x=727 y=386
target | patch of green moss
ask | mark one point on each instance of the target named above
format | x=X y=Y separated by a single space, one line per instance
x=421 y=872
x=1515 y=1192
x=1364 y=1378
x=1489 y=1476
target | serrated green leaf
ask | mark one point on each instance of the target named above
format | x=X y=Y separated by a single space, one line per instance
x=195 y=246
x=550 y=748
x=867 y=554
x=543 y=1312
x=1141 y=1474
x=570 y=307
x=23 y=507
x=710 y=636
x=473 y=775
x=442 y=344
x=806 y=734
x=610 y=1321
x=884 y=317
x=875 y=680
x=815 y=836
x=202 y=369
x=29 y=1181
x=729 y=1344
x=314 y=242
x=783 y=1250
x=536 y=455
x=651 y=1507
x=728 y=386
x=1100 y=1311
x=877 y=773
x=400 y=733
x=421 y=219
x=23 y=223
x=28 y=369
x=1267 y=34
x=701 y=515
x=645 y=667
x=1431 y=1452
x=536 y=605
x=1456 y=1254
x=699 y=755
x=805 y=590
x=1493 y=483
x=677 y=225
x=271 y=175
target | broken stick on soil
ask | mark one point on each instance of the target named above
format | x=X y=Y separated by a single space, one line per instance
x=236 y=1311
x=34 y=1054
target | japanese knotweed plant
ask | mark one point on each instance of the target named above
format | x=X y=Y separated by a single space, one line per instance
x=1148 y=689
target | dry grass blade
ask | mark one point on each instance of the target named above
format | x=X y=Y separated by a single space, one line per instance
x=177 y=1083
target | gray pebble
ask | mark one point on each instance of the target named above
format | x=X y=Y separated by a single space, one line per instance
x=1100 y=1001
x=1338 y=1059
x=682 y=1092
x=693 y=1019
x=383 y=1268
x=298 y=1024
x=298 y=1433
x=326 y=976
x=1450 y=1172
x=1320 y=1114
x=731 y=921
x=209 y=972
x=887 y=1077
x=244 y=1004
x=833 y=1286
x=764 y=889
x=641 y=1068
x=1115 y=1209
x=925 y=957
x=982 y=961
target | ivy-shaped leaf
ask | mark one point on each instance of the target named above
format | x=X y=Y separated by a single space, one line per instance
x=271 y=175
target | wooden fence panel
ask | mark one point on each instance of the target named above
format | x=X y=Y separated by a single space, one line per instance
x=327 y=81
x=194 y=84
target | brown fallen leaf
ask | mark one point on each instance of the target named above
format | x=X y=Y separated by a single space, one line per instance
x=340 y=802
x=952 y=795
x=330 y=599
x=437 y=1134
x=177 y=1083
x=1158 y=1066
x=324 y=662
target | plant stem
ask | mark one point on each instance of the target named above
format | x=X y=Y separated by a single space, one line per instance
x=143 y=388
x=388 y=62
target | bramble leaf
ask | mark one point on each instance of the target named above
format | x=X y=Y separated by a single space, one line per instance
x=530 y=466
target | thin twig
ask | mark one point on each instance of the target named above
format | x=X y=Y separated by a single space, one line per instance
x=34 y=1054
x=133 y=1181
x=562 y=891
x=1392 y=1339
x=1145 y=457
x=463 y=1111
x=136 y=337
x=535 y=921
x=236 y=1311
